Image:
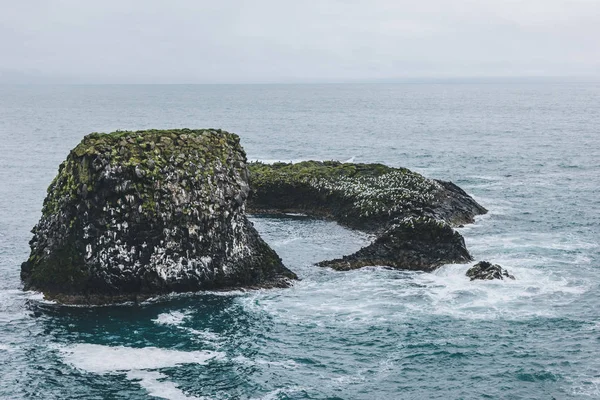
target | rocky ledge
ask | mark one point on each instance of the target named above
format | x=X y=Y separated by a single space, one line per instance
x=135 y=214
x=368 y=197
x=485 y=270
x=411 y=214
x=418 y=244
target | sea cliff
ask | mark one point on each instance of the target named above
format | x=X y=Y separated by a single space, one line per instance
x=135 y=214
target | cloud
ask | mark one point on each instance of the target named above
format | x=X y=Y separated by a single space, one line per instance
x=198 y=41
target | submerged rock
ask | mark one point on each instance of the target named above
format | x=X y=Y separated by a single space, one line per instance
x=135 y=214
x=418 y=244
x=487 y=271
x=412 y=214
x=361 y=196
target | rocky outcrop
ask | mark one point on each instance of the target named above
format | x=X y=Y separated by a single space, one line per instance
x=484 y=270
x=368 y=197
x=135 y=214
x=417 y=244
x=412 y=215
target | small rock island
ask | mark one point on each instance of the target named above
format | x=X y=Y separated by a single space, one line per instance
x=486 y=271
x=135 y=214
x=411 y=215
x=132 y=215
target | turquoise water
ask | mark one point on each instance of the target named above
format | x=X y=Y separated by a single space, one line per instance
x=530 y=153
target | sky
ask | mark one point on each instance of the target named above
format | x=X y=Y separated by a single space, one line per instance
x=278 y=41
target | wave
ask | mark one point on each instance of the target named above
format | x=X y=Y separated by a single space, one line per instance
x=528 y=240
x=534 y=293
x=281 y=393
x=175 y=318
x=156 y=386
x=287 y=364
x=383 y=294
x=102 y=359
x=138 y=364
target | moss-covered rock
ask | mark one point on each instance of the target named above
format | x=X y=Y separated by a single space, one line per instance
x=417 y=244
x=134 y=214
x=362 y=196
x=412 y=214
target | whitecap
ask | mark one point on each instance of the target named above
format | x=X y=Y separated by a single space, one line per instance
x=178 y=318
x=280 y=393
x=287 y=364
x=137 y=363
x=101 y=359
x=175 y=318
x=155 y=385
x=533 y=293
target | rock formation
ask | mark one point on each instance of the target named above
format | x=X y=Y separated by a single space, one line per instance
x=411 y=214
x=135 y=214
x=485 y=270
x=418 y=244
x=368 y=197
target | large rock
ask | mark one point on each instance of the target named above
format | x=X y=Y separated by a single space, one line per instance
x=372 y=198
x=361 y=196
x=485 y=270
x=417 y=244
x=134 y=214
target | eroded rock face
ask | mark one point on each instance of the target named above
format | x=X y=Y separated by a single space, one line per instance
x=361 y=196
x=372 y=198
x=133 y=214
x=417 y=244
x=487 y=271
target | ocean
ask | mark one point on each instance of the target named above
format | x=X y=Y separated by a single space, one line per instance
x=528 y=152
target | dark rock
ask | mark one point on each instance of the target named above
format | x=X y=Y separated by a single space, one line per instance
x=372 y=198
x=129 y=224
x=361 y=196
x=418 y=244
x=487 y=271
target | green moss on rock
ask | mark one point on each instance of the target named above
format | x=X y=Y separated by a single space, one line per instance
x=363 y=196
x=148 y=212
x=411 y=214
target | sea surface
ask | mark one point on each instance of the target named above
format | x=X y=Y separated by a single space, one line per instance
x=530 y=153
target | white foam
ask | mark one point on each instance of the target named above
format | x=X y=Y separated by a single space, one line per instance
x=280 y=393
x=287 y=364
x=531 y=240
x=450 y=292
x=380 y=295
x=175 y=318
x=587 y=386
x=5 y=347
x=31 y=295
x=178 y=318
x=183 y=295
x=154 y=384
x=109 y=359
x=137 y=363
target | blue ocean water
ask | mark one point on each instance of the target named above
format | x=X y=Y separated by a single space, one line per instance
x=530 y=153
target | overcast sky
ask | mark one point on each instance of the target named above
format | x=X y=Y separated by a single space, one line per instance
x=231 y=41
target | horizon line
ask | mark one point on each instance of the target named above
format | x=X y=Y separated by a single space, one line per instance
x=404 y=80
